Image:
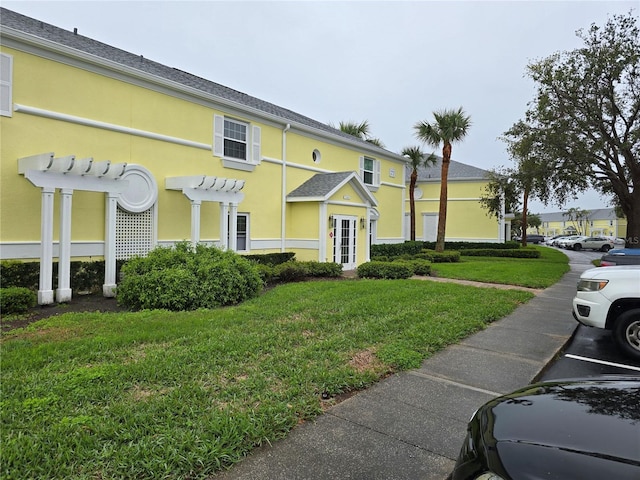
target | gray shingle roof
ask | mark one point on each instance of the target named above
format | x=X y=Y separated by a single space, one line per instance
x=320 y=185
x=81 y=43
x=457 y=171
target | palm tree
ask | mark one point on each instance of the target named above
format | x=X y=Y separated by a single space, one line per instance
x=417 y=160
x=449 y=126
x=360 y=130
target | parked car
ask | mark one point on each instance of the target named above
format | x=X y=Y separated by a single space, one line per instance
x=556 y=240
x=589 y=243
x=583 y=429
x=550 y=241
x=617 y=241
x=563 y=241
x=621 y=256
x=609 y=298
x=532 y=238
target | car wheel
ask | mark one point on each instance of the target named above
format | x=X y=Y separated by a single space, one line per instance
x=577 y=247
x=605 y=248
x=626 y=333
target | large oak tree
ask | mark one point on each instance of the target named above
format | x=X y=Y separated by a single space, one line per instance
x=586 y=115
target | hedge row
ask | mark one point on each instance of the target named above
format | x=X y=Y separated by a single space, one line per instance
x=430 y=255
x=414 y=247
x=490 y=252
x=84 y=276
x=293 y=270
x=271 y=258
x=89 y=276
x=395 y=269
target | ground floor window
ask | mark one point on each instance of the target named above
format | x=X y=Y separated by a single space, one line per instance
x=242 y=232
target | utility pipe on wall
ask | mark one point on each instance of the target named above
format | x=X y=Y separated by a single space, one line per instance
x=283 y=212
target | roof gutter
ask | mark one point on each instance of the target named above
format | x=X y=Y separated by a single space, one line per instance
x=19 y=36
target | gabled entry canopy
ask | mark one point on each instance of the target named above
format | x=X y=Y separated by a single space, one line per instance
x=322 y=186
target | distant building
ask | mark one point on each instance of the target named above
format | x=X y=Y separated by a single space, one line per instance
x=467 y=220
x=600 y=222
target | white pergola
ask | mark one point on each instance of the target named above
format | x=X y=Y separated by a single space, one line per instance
x=68 y=174
x=204 y=188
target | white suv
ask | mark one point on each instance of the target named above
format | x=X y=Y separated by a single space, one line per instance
x=590 y=243
x=609 y=298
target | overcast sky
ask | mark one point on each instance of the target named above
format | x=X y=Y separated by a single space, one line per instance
x=391 y=63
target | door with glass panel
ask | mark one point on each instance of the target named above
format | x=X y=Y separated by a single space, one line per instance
x=344 y=241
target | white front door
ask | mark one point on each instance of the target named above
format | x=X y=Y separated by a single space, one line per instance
x=344 y=241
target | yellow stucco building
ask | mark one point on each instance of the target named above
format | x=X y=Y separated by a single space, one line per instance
x=106 y=154
x=467 y=220
x=598 y=222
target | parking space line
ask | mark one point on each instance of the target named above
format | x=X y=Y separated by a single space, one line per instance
x=602 y=362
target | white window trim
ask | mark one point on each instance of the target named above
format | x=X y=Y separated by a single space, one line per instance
x=254 y=153
x=376 y=173
x=6 y=85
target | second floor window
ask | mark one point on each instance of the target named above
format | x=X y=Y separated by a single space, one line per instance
x=370 y=171
x=235 y=139
x=236 y=142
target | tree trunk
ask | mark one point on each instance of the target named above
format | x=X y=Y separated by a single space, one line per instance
x=525 y=202
x=442 y=212
x=632 y=212
x=412 y=204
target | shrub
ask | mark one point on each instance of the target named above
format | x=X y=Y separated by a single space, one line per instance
x=186 y=278
x=419 y=266
x=324 y=269
x=17 y=299
x=448 y=256
x=267 y=272
x=490 y=252
x=271 y=258
x=392 y=270
x=291 y=271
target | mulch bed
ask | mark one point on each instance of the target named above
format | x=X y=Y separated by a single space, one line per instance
x=93 y=302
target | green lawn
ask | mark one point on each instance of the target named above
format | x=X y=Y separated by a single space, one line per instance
x=527 y=272
x=155 y=394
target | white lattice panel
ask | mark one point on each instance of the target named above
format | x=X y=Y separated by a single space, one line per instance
x=134 y=233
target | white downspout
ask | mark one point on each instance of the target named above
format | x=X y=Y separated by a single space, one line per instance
x=283 y=213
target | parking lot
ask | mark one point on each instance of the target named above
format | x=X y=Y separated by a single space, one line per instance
x=590 y=351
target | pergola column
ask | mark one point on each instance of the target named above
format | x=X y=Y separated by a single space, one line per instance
x=233 y=226
x=63 y=293
x=45 y=291
x=224 y=225
x=195 y=221
x=109 y=286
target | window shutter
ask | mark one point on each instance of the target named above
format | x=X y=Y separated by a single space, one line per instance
x=376 y=177
x=218 y=135
x=6 y=73
x=255 y=143
x=361 y=168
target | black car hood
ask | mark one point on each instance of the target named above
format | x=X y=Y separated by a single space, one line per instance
x=524 y=461
x=544 y=428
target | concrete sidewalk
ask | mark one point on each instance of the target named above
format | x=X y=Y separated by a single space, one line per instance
x=412 y=424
